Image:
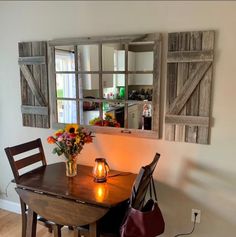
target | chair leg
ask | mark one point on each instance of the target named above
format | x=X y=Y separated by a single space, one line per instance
x=50 y=229
x=57 y=230
x=23 y=218
x=76 y=232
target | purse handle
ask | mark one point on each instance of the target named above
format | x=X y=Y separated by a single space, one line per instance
x=152 y=189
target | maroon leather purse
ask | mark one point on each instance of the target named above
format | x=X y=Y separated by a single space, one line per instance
x=147 y=222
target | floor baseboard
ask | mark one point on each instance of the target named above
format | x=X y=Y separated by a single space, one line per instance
x=10 y=206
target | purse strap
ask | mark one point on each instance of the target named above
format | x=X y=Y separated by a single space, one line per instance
x=152 y=189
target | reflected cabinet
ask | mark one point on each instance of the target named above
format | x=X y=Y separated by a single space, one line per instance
x=111 y=84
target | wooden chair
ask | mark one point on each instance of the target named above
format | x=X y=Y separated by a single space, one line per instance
x=110 y=224
x=142 y=183
x=18 y=164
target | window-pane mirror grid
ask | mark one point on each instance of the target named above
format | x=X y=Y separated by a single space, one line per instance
x=64 y=58
x=112 y=83
x=66 y=111
x=66 y=85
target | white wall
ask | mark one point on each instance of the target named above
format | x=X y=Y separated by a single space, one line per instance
x=28 y=21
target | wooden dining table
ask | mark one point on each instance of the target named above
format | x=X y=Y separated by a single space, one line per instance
x=71 y=201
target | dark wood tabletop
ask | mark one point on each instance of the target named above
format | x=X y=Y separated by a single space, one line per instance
x=52 y=180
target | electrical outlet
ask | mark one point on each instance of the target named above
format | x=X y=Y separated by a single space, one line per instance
x=198 y=218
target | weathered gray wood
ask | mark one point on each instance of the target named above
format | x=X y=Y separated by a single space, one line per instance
x=52 y=84
x=33 y=85
x=45 y=83
x=37 y=75
x=34 y=82
x=27 y=97
x=105 y=72
x=190 y=56
x=187 y=120
x=156 y=87
x=40 y=110
x=126 y=86
x=188 y=88
x=205 y=90
x=194 y=58
x=100 y=80
x=32 y=60
x=192 y=104
x=172 y=70
x=105 y=39
x=184 y=44
x=78 y=87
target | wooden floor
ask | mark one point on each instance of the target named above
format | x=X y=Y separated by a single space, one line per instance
x=10 y=226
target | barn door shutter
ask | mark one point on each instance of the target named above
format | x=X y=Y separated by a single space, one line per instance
x=34 y=84
x=189 y=76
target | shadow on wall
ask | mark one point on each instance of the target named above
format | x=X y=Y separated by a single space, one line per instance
x=210 y=187
x=176 y=207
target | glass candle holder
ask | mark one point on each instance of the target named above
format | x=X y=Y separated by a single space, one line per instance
x=100 y=170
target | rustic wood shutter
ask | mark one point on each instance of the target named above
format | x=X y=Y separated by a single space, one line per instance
x=34 y=84
x=189 y=77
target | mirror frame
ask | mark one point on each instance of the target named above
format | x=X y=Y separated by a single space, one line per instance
x=125 y=39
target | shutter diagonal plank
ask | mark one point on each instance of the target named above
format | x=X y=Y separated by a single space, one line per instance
x=33 y=85
x=194 y=78
x=189 y=77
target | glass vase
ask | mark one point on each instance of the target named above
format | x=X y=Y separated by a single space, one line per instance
x=71 y=166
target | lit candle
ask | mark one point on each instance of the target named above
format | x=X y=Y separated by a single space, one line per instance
x=100 y=170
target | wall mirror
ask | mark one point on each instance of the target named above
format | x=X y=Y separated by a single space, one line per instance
x=111 y=84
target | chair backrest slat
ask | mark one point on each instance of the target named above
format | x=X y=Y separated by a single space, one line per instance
x=27 y=160
x=142 y=183
x=24 y=147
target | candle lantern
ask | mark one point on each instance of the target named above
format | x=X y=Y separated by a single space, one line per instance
x=100 y=170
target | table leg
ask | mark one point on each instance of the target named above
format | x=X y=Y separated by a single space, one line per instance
x=93 y=230
x=57 y=230
x=31 y=223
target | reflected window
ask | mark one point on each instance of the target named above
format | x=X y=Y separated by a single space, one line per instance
x=65 y=85
x=66 y=111
x=64 y=59
x=88 y=57
x=108 y=82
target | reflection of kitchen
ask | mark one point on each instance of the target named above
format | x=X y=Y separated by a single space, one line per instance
x=139 y=85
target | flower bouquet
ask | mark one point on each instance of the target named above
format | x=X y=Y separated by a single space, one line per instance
x=108 y=121
x=70 y=141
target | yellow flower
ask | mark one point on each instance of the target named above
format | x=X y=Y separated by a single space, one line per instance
x=78 y=139
x=71 y=128
x=109 y=116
